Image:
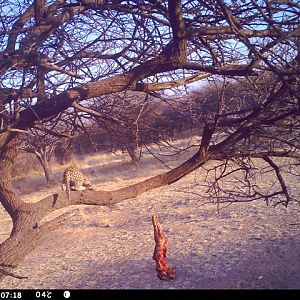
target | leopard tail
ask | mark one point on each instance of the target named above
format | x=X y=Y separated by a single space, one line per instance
x=68 y=189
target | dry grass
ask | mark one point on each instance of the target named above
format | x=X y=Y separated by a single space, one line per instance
x=105 y=169
x=240 y=246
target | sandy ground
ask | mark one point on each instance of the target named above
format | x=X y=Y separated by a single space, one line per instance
x=248 y=245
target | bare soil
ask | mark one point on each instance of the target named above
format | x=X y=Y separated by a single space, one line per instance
x=241 y=246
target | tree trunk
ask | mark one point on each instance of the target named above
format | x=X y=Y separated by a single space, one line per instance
x=131 y=149
x=47 y=172
x=42 y=157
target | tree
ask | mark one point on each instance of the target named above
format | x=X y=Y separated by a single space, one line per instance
x=44 y=139
x=43 y=151
x=128 y=121
x=56 y=56
x=43 y=145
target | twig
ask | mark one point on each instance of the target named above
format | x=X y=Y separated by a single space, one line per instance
x=280 y=179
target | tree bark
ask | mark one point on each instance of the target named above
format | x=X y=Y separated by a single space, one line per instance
x=131 y=149
x=46 y=167
x=48 y=172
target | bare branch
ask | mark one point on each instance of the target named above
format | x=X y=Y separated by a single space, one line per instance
x=280 y=178
x=8 y=273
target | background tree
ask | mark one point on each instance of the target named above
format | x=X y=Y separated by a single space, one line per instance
x=43 y=145
x=58 y=55
x=43 y=149
x=129 y=121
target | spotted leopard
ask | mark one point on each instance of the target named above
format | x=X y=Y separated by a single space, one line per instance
x=74 y=180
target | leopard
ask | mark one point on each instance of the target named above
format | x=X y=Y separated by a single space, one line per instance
x=73 y=179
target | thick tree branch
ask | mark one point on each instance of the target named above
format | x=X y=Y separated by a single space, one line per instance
x=17 y=28
x=6 y=94
x=179 y=44
x=151 y=87
x=117 y=83
x=226 y=32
